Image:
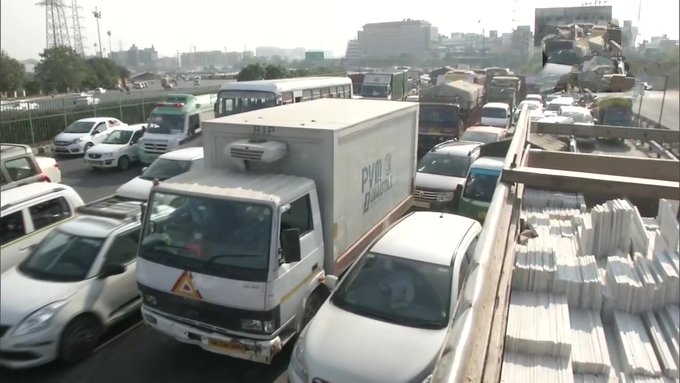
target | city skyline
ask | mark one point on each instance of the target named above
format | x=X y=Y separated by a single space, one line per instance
x=310 y=26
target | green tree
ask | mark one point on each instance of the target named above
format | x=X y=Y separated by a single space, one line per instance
x=275 y=71
x=32 y=87
x=251 y=72
x=11 y=73
x=61 y=69
x=123 y=71
x=105 y=73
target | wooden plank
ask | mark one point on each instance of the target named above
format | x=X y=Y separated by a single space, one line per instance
x=658 y=135
x=602 y=184
x=660 y=169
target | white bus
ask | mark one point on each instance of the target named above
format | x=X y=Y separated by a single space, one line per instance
x=239 y=97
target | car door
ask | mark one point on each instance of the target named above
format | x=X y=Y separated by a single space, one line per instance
x=98 y=133
x=118 y=294
x=132 y=149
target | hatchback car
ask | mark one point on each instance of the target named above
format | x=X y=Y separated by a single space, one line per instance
x=83 y=134
x=389 y=316
x=118 y=149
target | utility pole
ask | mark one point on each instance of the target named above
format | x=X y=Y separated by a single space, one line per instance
x=110 y=50
x=663 y=101
x=98 y=15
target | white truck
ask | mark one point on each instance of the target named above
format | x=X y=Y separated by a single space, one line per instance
x=286 y=196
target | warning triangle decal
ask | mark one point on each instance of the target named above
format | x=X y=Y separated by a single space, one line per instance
x=185 y=287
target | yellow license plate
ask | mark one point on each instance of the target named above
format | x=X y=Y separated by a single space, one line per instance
x=226 y=345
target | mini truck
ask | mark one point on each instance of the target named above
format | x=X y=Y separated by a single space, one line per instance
x=287 y=196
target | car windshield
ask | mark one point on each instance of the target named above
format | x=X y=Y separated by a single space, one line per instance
x=118 y=137
x=166 y=123
x=494 y=112
x=220 y=237
x=374 y=91
x=483 y=137
x=162 y=169
x=444 y=165
x=62 y=257
x=79 y=127
x=481 y=184
x=397 y=290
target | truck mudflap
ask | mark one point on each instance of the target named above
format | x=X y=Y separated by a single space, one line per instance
x=260 y=351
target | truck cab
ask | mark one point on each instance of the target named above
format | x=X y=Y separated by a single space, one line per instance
x=173 y=122
x=480 y=184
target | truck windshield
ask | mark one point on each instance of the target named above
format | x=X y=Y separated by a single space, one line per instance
x=444 y=165
x=616 y=116
x=481 y=184
x=494 y=113
x=442 y=115
x=375 y=91
x=224 y=238
x=397 y=290
x=239 y=101
x=166 y=124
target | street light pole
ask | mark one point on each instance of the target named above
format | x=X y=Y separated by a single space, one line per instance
x=98 y=15
x=110 y=50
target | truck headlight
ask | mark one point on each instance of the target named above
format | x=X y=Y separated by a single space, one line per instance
x=297 y=360
x=39 y=319
x=258 y=325
x=444 y=197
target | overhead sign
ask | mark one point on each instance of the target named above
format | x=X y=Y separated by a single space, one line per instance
x=185 y=287
x=314 y=56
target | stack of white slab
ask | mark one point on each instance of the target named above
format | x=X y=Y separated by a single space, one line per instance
x=668 y=224
x=591 y=289
x=639 y=235
x=636 y=352
x=590 y=378
x=523 y=368
x=589 y=353
x=669 y=323
x=538 y=324
x=584 y=233
x=663 y=352
x=612 y=227
x=668 y=280
x=650 y=295
x=542 y=199
x=623 y=288
x=645 y=379
x=534 y=267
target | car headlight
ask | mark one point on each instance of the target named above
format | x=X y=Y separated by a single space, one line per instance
x=107 y=155
x=77 y=140
x=444 y=197
x=258 y=325
x=297 y=360
x=39 y=319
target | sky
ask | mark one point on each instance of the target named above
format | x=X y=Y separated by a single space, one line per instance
x=328 y=25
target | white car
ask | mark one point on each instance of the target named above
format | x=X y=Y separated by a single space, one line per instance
x=496 y=114
x=167 y=165
x=534 y=97
x=118 y=149
x=83 y=134
x=49 y=168
x=554 y=106
x=580 y=115
x=389 y=316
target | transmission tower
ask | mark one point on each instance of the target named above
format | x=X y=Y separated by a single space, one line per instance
x=56 y=25
x=78 y=45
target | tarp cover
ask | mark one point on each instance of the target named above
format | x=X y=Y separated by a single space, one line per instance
x=468 y=94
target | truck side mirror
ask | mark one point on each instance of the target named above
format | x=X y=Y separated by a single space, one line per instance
x=331 y=281
x=290 y=243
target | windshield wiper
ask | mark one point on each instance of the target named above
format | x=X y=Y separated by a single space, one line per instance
x=220 y=256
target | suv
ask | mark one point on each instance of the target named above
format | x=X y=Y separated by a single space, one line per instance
x=19 y=166
x=440 y=171
x=29 y=213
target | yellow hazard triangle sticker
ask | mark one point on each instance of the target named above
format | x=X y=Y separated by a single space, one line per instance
x=185 y=287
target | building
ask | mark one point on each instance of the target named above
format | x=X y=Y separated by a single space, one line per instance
x=546 y=19
x=283 y=53
x=136 y=59
x=522 y=39
x=393 y=39
x=209 y=59
x=629 y=34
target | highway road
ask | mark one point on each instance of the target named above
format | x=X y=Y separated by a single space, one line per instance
x=651 y=107
x=131 y=352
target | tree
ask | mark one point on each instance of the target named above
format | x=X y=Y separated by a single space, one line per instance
x=275 y=71
x=105 y=73
x=251 y=72
x=11 y=73
x=61 y=69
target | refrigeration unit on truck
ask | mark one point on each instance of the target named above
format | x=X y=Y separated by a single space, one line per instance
x=287 y=196
x=385 y=86
x=173 y=122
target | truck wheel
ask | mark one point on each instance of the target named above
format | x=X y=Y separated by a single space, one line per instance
x=79 y=339
x=313 y=304
x=123 y=162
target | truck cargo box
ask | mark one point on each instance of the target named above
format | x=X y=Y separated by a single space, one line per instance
x=360 y=154
x=469 y=94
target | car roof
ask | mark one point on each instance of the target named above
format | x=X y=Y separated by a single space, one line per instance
x=456 y=147
x=485 y=129
x=563 y=100
x=554 y=119
x=442 y=232
x=192 y=153
x=27 y=192
x=533 y=95
x=496 y=105
x=133 y=127
x=11 y=150
x=97 y=119
x=91 y=226
x=575 y=108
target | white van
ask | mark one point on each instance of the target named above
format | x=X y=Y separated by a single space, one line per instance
x=29 y=213
x=496 y=114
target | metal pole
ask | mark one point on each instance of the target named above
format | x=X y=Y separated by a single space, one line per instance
x=98 y=15
x=637 y=120
x=663 y=101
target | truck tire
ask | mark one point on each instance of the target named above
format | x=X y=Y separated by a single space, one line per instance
x=311 y=308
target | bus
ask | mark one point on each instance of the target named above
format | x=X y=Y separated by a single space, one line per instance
x=239 y=97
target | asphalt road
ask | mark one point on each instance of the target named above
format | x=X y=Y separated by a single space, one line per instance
x=131 y=352
x=651 y=107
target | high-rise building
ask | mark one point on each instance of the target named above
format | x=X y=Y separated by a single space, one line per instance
x=392 y=39
x=546 y=19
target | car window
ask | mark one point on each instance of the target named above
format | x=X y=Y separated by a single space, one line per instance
x=3 y=180
x=49 y=212
x=20 y=168
x=11 y=227
x=124 y=248
x=136 y=136
x=101 y=127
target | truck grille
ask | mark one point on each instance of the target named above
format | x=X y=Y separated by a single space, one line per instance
x=155 y=147
x=425 y=195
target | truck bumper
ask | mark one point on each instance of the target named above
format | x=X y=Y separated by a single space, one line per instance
x=260 y=351
x=446 y=207
x=147 y=158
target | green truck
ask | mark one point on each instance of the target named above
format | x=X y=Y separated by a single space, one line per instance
x=385 y=86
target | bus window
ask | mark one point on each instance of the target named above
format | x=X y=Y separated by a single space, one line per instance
x=325 y=93
x=233 y=101
x=287 y=98
x=316 y=94
x=306 y=95
x=348 y=91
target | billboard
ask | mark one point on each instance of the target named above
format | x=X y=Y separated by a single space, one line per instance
x=547 y=19
x=314 y=56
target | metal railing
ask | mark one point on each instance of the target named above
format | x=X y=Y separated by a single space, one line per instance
x=38 y=120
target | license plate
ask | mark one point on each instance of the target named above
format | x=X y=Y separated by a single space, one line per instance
x=425 y=205
x=226 y=345
x=96 y=162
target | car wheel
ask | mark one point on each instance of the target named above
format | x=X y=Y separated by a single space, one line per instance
x=313 y=305
x=88 y=146
x=79 y=339
x=123 y=162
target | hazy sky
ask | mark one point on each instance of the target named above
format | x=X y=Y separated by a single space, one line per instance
x=209 y=25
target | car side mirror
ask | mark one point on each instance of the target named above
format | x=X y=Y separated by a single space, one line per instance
x=290 y=244
x=111 y=269
x=331 y=281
